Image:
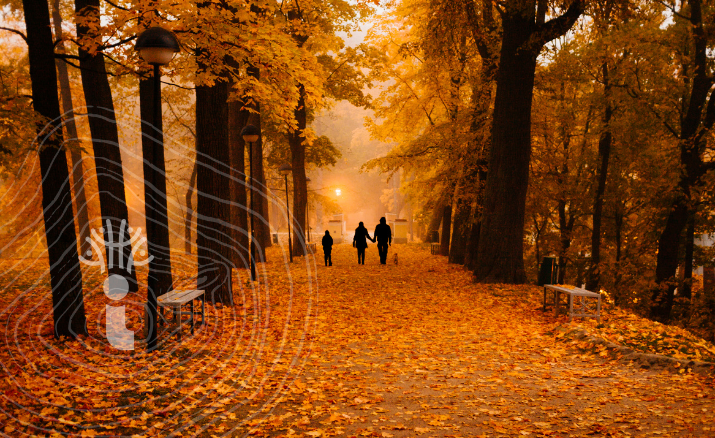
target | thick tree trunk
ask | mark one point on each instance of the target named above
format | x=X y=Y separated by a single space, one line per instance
x=65 y=273
x=501 y=250
x=460 y=231
x=446 y=229
x=667 y=261
x=436 y=218
x=296 y=140
x=263 y=228
x=105 y=142
x=237 y=119
x=160 y=280
x=190 y=211
x=500 y=253
x=85 y=247
x=692 y=168
x=212 y=156
x=689 y=249
x=604 y=152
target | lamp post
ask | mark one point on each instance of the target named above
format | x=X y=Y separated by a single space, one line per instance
x=157 y=46
x=307 y=208
x=284 y=170
x=250 y=134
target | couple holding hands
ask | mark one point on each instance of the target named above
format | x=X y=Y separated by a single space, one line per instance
x=383 y=235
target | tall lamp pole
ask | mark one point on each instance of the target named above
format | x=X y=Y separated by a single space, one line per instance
x=285 y=169
x=250 y=135
x=157 y=46
x=307 y=208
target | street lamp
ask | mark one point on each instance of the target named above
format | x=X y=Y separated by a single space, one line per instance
x=284 y=170
x=157 y=46
x=250 y=135
x=307 y=207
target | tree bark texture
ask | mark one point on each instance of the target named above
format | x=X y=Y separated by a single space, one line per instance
x=604 y=152
x=65 y=273
x=190 y=211
x=85 y=247
x=297 y=140
x=692 y=143
x=105 y=142
x=501 y=240
x=212 y=156
x=261 y=222
x=460 y=231
x=160 y=279
x=237 y=119
x=446 y=229
x=687 y=288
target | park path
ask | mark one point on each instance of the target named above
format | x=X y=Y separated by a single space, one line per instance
x=417 y=349
x=400 y=350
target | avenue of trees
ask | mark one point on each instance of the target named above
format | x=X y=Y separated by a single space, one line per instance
x=522 y=128
x=578 y=129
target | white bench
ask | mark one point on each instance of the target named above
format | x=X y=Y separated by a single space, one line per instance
x=177 y=298
x=573 y=293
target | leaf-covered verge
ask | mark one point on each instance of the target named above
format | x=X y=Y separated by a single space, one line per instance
x=408 y=349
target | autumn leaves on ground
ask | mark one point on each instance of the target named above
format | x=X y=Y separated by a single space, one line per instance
x=407 y=349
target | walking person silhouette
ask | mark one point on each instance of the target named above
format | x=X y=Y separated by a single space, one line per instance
x=360 y=241
x=328 y=248
x=383 y=234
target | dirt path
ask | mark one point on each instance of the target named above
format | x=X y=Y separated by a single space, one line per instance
x=417 y=349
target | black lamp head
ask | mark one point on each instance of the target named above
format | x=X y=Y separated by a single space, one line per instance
x=157 y=45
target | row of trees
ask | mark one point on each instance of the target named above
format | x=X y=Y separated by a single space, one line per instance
x=273 y=65
x=532 y=127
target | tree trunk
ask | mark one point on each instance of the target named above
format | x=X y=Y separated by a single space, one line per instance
x=604 y=152
x=85 y=247
x=237 y=119
x=214 y=255
x=190 y=211
x=689 y=249
x=446 y=228
x=105 y=142
x=296 y=139
x=501 y=240
x=692 y=169
x=460 y=231
x=263 y=228
x=65 y=273
x=159 y=280
x=500 y=253
x=566 y=224
x=437 y=213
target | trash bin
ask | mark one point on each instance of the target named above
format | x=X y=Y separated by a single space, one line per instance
x=275 y=238
x=548 y=273
x=434 y=236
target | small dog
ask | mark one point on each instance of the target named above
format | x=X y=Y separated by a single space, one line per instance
x=395 y=259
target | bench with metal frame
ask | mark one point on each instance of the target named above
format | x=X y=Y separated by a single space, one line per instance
x=572 y=294
x=434 y=247
x=178 y=298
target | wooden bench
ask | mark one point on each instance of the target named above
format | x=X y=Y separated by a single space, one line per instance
x=435 y=248
x=176 y=299
x=573 y=293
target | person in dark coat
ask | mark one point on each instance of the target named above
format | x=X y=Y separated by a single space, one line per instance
x=328 y=248
x=360 y=241
x=383 y=234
